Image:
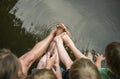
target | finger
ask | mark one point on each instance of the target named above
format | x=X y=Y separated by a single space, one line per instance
x=57 y=57
x=68 y=33
x=54 y=57
x=55 y=54
x=59 y=26
x=103 y=58
x=48 y=55
x=98 y=54
x=65 y=29
x=53 y=70
x=63 y=26
x=102 y=55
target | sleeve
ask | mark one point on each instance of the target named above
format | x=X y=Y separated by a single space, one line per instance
x=104 y=73
x=65 y=74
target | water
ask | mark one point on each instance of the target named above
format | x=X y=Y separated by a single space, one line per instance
x=93 y=23
x=12 y=35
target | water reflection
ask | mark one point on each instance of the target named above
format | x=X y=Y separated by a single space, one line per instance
x=12 y=36
x=93 y=23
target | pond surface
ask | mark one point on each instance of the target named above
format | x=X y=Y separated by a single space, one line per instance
x=93 y=23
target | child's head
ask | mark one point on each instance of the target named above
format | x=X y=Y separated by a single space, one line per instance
x=112 y=54
x=83 y=69
x=43 y=74
x=10 y=67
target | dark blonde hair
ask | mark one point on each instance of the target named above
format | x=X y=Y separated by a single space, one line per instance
x=83 y=69
x=10 y=67
x=112 y=54
x=43 y=74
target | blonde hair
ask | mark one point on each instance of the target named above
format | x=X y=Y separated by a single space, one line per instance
x=43 y=74
x=83 y=69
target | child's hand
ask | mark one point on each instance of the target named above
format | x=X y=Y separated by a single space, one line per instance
x=57 y=71
x=100 y=57
x=50 y=60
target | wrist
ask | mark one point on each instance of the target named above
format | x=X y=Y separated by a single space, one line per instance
x=71 y=45
x=99 y=60
x=59 y=44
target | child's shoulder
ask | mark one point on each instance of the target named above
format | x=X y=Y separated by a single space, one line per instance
x=104 y=71
x=106 y=74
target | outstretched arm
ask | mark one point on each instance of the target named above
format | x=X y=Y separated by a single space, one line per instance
x=28 y=58
x=60 y=29
x=72 y=46
x=56 y=69
x=63 y=55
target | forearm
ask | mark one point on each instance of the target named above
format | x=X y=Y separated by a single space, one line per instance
x=28 y=58
x=72 y=46
x=64 y=57
x=76 y=52
x=59 y=73
x=41 y=47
